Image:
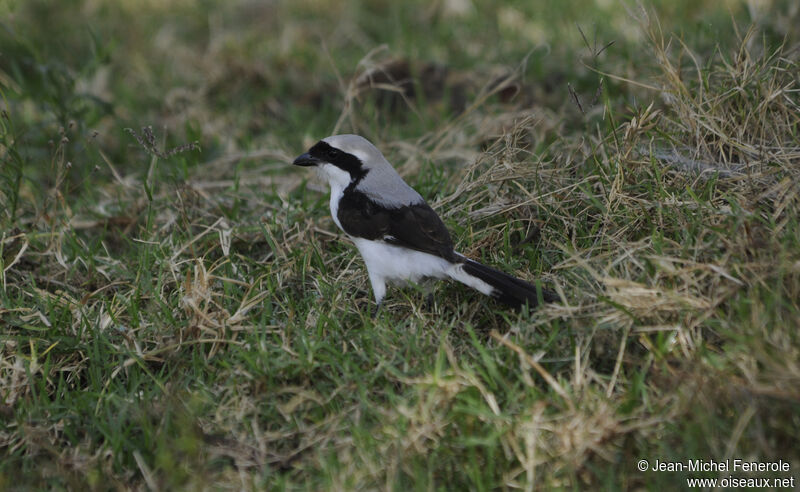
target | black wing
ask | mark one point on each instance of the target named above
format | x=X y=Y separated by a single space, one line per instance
x=412 y=226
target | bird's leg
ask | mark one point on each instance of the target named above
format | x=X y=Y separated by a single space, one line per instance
x=378 y=289
x=375 y=312
x=427 y=287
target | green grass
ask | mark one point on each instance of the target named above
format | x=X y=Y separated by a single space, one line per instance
x=182 y=318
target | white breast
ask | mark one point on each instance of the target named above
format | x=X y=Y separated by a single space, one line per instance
x=336 y=195
x=338 y=180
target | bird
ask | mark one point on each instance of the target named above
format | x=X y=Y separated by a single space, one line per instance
x=399 y=236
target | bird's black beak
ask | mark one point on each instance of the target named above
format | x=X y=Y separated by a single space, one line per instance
x=307 y=160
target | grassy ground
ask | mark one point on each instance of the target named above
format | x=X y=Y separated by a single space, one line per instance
x=178 y=316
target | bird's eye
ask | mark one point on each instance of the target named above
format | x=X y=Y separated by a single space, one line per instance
x=333 y=153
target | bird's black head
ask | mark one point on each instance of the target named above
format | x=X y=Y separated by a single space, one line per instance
x=324 y=153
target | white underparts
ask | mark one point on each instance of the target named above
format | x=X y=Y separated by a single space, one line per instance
x=338 y=179
x=387 y=263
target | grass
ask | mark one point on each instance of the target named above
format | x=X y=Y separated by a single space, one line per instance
x=178 y=311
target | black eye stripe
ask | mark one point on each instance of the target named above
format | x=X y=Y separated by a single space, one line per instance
x=343 y=160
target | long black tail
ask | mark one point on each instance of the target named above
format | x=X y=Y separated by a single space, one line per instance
x=509 y=289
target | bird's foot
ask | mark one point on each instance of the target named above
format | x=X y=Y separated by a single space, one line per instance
x=374 y=315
